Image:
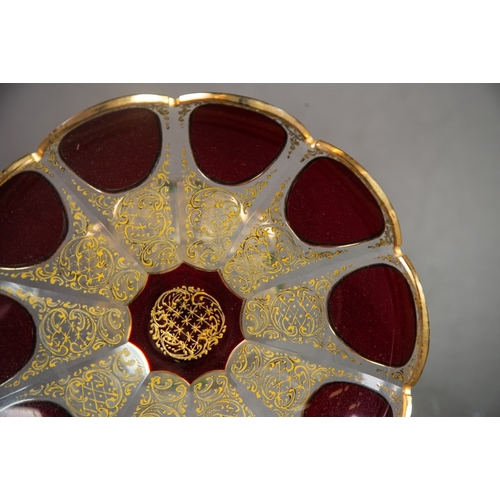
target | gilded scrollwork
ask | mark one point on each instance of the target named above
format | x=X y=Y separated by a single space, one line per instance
x=396 y=397
x=143 y=216
x=294 y=136
x=269 y=250
x=296 y=314
x=311 y=153
x=184 y=109
x=87 y=263
x=164 y=396
x=215 y=396
x=403 y=374
x=388 y=238
x=100 y=389
x=282 y=381
x=68 y=331
x=163 y=110
x=51 y=155
x=186 y=322
x=41 y=167
x=213 y=215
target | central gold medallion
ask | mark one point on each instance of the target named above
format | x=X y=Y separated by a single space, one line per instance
x=186 y=322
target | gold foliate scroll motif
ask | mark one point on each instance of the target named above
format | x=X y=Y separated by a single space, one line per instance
x=165 y=396
x=163 y=110
x=396 y=398
x=282 y=381
x=186 y=323
x=403 y=374
x=214 y=396
x=98 y=390
x=213 y=216
x=268 y=251
x=295 y=314
x=39 y=166
x=144 y=218
x=69 y=332
x=87 y=263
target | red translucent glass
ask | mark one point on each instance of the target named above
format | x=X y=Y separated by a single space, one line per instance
x=114 y=151
x=232 y=145
x=17 y=337
x=329 y=205
x=343 y=399
x=35 y=409
x=212 y=284
x=372 y=310
x=33 y=221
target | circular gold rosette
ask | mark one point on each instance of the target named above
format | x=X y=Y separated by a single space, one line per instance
x=186 y=322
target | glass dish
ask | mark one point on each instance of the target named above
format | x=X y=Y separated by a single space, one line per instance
x=202 y=256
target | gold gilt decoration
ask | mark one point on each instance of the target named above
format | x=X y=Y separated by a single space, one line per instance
x=98 y=390
x=186 y=323
x=184 y=109
x=390 y=258
x=40 y=166
x=69 y=332
x=163 y=110
x=397 y=399
x=295 y=138
x=295 y=314
x=213 y=216
x=388 y=238
x=403 y=375
x=282 y=381
x=268 y=251
x=87 y=263
x=51 y=155
x=311 y=153
x=165 y=396
x=143 y=217
x=214 y=396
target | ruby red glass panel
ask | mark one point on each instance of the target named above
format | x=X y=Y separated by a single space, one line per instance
x=17 y=337
x=115 y=151
x=372 y=311
x=33 y=222
x=232 y=145
x=343 y=399
x=329 y=205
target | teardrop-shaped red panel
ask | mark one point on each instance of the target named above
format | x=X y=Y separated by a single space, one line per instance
x=114 y=151
x=343 y=399
x=35 y=409
x=232 y=145
x=372 y=311
x=17 y=337
x=33 y=221
x=329 y=205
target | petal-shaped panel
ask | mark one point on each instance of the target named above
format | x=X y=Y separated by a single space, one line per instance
x=329 y=205
x=114 y=151
x=344 y=399
x=33 y=222
x=232 y=145
x=373 y=311
x=17 y=337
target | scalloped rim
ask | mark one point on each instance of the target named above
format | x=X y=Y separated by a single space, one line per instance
x=332 y=151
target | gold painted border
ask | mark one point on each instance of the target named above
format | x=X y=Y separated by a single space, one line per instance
x=141 y=99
